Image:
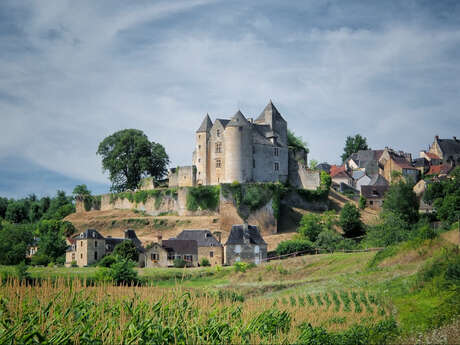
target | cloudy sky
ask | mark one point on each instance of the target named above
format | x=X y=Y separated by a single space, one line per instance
x=73 y=72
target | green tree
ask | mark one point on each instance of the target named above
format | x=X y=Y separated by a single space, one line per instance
x=393 y=229
x=294 y=246
x=59 y=206
x=14 y=242
x=81 y=190
x=313 y=164
x=401 y=200
x=353 y=145
x=310 y=226
x=120 y=272
x=350 y=221
x=17 y=212
x=3 y=207
x=362 y=202
x=326 y=180
x=51 y=243
x=126 y=250
x=129 y=156
x=296 y=142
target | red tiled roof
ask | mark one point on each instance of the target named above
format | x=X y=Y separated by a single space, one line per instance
x=439 y=169
x=336 y=169
x=432 y=155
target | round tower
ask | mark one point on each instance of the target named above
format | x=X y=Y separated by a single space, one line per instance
x=238 y=150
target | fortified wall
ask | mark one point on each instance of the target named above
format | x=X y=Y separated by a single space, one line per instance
x=257 y=204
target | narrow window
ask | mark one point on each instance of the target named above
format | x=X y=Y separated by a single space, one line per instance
x=218 y=147
x=81 y=243
x=199 y=147
x=277 y=166
x=81 y=256
x=211 y=254
x=276 y=152
x=218 y=133
x=218 y=163
x=199 y=160
x=253 y=163
x=95 y=243
x=95 y=255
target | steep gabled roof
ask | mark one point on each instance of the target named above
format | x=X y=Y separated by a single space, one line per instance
x=449 y=146
x=181 y=246
x=204 y=238
x=241 y=234
x=442 y=169
x=378 y=180
x=223 y=122
x=89 y=233
x=206 y=125
x=269 y=109
x=374 y=192
x=238 y=120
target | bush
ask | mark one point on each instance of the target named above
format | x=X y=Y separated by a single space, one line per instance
x=14 y=242
x=204 y=262
x=22 y=271
x=393 y=229
x=310 y=226
x=401 y=200
x=203 y=198
x=293 y=246
x=179 y=263
x=350 y=221
x=362 y=202
x=120 y=272
x=40 y=259
x=241 y=266
x=331 y=240
x=107 y=261
x=126 y=250
x=73 y=263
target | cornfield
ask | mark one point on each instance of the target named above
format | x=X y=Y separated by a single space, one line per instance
x=65 y=311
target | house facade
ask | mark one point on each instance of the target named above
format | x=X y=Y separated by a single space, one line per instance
x=164 y=252
x=448 y=150
x=400 y=162
x=209 y=247
x=245 y=243
x=90 y=246
x=375 y=195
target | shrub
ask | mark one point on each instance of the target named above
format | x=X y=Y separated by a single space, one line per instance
x=205 y=262
x=401 y=200
x=293 y=246
x=310 y=226
x=393 y=229
x=40 y=259
x=22 y=271
x=203 y=198
x=350 y=221
x=362 y=202
x=241 y=266
x=120 y=272
x=127 y=250
x=73 y=263
x=107 y=261
x=179 y=263
x=14 y=241
x=331 y=240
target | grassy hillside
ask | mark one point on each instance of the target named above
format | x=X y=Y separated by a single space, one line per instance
x=404 y=294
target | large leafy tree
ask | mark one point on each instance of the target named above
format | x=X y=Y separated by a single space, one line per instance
x=401 y=200
x=128 y=156
x=354 y=144
x=350 y=221
x=126 y=250
x=14 y=241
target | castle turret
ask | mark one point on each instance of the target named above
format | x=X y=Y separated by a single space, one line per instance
x=200 y=156
x=238 y=149
x=272 y=117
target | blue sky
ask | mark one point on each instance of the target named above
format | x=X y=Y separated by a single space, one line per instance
x=73 y=72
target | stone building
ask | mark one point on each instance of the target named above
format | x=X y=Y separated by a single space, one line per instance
x=245 y=243
x=208 y=246
x=90 y=246
x=448 y=150
x=163 y=253
x=375 y=195
x=244 y=150
x=401 y=162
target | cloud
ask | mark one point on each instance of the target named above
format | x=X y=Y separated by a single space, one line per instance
x=72 y=73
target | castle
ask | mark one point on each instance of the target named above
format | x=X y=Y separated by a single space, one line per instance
x=244 y=150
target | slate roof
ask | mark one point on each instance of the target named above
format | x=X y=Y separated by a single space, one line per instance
x=449 y=146
x=204 y=238
x=187 y=247
x=224 y=122
x=401 y=161
x=378 y=180
x=238 y=120
x=363 y=157
x=357 y=174
x=420 y=162
x=324 y=166
x=374 y=192
x=89 y=233
x=239 y=233
x=270 y=108
x=206 y=125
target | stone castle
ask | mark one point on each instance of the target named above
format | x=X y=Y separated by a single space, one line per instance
x=244 y=150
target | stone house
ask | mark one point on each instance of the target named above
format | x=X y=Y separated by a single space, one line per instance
x=245 y=243
x=433 y=159
x=340 y=175
x=401 y=162
x=208 y=246
x=374 y=195
x=448 y=150
x=163 y=253
x=366 y=160
x=90 y=246
x=244 y=150
x=363 y=180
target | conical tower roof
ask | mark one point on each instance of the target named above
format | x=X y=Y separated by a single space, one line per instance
x=271 y=111
x=238 y=120
x=206 y=125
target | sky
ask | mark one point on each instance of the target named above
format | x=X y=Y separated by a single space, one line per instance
x=74 y=72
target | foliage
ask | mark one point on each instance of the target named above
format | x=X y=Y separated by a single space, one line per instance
x=320 y=194
x=120 y=272
x=241 y=266
x=59 y=207
x=40 y=259
x=310 y=226
x=353 y=145
x=296 y=142
x=16 y=212
x=126 y=250
x=392 y=229
x=3 y=207
x=51 y=234
x=401 y=200
x=204 y=262
x=179 y=263
x=362 y=202
x=81 y=190
x=142 y=196
x=331 y=240
x=294 y=246
x=203 y=198
x=22 y=271
x=350 y=221
x=108 y=260
x=326 y=180
x=129 y=156
x=14 y=242
x=313 y=164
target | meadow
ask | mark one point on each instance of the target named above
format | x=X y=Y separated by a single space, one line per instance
x=399 y=295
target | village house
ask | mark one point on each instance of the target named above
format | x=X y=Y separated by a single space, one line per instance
x=446 y=150
x=374 y=196
x=365 y=160
x=245 y=243
x=209 y=247
x=164 y=252
x=90 y=246
x=399 y=162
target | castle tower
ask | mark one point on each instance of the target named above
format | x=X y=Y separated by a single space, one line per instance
x=200 y=156
x=271 y=116
x=238 y=149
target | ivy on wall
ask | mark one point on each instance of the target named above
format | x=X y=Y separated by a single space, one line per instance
x=203 y=198
x=142 y=196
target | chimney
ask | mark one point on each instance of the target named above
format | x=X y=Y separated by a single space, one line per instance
x=436 y=137
x=245 y=233
x=218 y=235
x=160 y=239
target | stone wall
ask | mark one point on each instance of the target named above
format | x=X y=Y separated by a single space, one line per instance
x=299 y=175
x=184 y=176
